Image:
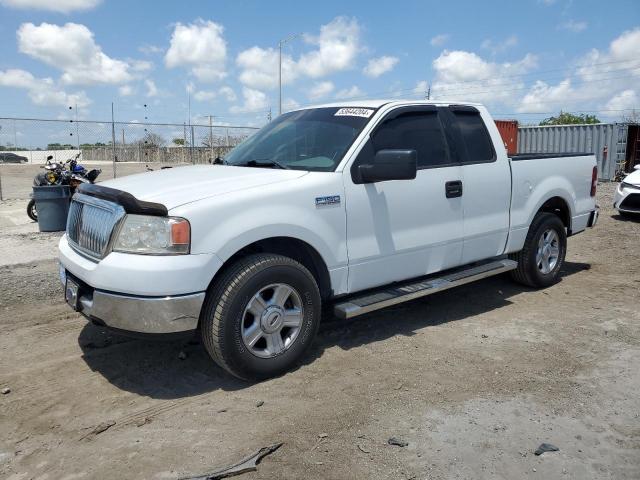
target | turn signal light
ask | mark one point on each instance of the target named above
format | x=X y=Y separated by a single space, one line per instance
x=594 y=181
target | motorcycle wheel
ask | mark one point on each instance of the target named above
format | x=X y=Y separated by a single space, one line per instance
x=31 y=210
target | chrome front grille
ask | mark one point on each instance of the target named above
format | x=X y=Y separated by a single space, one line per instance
x=91 y=223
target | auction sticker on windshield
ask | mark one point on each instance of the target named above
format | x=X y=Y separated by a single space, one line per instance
x=354 y=112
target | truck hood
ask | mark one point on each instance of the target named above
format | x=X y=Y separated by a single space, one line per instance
x=173 y=187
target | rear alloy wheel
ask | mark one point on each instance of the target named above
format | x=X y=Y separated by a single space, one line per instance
x=260 y=316
x=541 y=258
x=548 y=252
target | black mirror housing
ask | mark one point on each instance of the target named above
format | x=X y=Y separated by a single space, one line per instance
x=390 y=165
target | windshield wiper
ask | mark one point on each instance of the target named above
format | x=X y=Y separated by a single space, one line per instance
x=266 y=163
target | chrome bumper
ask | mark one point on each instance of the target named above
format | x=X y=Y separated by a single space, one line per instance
x=143 y=314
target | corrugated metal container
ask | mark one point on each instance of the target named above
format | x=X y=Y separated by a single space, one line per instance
x=509 y=132
x=579 y=138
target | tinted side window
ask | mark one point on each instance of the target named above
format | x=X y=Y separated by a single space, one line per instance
x=420 y=131
x=475 y=137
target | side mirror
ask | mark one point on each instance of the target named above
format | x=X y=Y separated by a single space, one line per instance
x=637 y=167
x=50 y=157
x=390 y=165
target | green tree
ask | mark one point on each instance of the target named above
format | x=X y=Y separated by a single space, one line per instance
x=178 y=141
x=566 y=118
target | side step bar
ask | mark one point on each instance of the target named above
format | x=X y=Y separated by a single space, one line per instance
x=385 y=297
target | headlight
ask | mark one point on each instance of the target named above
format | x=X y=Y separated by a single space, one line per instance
x=149 y=235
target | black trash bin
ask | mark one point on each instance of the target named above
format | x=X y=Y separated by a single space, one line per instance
x=52 y=204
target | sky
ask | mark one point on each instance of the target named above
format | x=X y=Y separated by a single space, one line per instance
x=524 y=59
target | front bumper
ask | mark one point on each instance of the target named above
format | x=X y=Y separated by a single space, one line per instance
x=138 y=293
x=152 y=315
x=627 y=199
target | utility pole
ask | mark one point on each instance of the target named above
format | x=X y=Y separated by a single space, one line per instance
x=281 y=43
x=269 y=115
x=211 y=138
x=77 y=129
x=428 y=94
x=113 y=140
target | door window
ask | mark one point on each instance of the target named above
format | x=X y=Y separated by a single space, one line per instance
x=474 y=136
x=417 y=130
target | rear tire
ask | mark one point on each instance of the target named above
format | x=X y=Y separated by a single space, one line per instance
x=31 y=210
x=540 y=260
x=261 y=316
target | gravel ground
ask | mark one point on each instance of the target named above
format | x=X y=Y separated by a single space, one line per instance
x=473 y=379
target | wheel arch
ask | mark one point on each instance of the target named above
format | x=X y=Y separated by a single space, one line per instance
x=291 y=247
x=558 y=206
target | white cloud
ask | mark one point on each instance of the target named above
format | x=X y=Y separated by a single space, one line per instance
x=337 y=47
x=72 y=49
x=204 y=95
x=152 y=90
x=260 y=68
x=289 y=104
x=625 y=100
x=352 y=92
x=201 y=47
x=543 y=97
x=140 y=65
x=62 y=6
x=467 y=76
x=42 y=91
x=125 y=90
x=421 y=88
x=150 y=49
x=439 y=40
x=574 y=26
x=377 y=66
x=253 y=100
x=500 y=46
x=228 y=93
x=603 y=78
x=321 y=90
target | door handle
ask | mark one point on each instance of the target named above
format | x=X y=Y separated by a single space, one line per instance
x=453 y=189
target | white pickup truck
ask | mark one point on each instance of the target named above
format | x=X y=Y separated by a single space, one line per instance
x=357 y=206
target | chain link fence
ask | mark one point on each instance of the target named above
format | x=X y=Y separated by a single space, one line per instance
x=118 y=148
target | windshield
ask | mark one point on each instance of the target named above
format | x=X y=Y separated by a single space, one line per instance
x=315 y=139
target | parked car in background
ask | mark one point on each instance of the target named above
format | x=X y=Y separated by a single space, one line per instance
x=8 y=157
x=627 y=196
x=359 y=206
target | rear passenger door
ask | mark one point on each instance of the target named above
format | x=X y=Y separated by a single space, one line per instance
x=486 y=184
x=402 y=229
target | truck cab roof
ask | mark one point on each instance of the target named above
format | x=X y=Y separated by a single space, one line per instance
x=391 y=102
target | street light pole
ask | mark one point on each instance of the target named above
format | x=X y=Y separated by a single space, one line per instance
x=280 y=44
x=280 y=77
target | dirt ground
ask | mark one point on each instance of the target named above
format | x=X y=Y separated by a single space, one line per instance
x=473 y=379
x=16 y=179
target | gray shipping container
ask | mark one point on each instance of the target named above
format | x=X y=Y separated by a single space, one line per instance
x=579 y=138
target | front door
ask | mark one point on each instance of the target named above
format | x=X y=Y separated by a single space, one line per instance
x=406 y=228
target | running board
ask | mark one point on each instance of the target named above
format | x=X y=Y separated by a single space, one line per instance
x=385 y=297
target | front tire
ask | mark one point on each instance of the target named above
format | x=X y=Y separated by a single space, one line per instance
x=31 y=210
x=540 y=260
x=261 y=316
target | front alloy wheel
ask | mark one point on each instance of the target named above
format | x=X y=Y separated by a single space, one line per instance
x=272 y=320
x=260 y=316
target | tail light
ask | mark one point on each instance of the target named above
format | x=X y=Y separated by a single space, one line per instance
x=594 y=181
